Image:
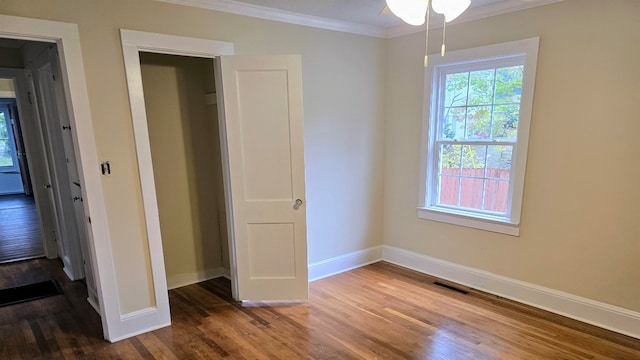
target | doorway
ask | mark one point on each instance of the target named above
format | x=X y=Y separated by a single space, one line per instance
x=259 y=101
x=185 y=150
x=20 y=233
x=71 y=83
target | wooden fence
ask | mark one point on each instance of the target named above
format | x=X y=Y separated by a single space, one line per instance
x=468 y=191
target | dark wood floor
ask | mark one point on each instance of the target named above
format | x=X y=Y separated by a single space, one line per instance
x=380 y=311
x=19 y=229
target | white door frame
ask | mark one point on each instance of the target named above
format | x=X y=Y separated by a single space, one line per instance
x=134 y=42
x=67 y=38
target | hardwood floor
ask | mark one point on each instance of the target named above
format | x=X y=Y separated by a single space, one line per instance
x=380 y=311
x=19 y=229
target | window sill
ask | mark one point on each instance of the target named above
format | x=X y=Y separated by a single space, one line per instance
x=494 y=224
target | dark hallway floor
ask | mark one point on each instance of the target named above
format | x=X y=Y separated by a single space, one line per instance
x=19 y=229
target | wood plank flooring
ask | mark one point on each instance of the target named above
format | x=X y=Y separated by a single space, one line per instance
x=380 y=311
x=19 y=229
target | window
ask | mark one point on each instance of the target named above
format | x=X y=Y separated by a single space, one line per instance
x=8 y=161
x=476 y=134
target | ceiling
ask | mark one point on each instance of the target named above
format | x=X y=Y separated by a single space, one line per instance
x=356 y=16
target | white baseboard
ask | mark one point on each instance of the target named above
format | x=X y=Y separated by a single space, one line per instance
x=139 y=322
x=342 y=263
x=593 y=312
x=94 y=304
x=181 y=280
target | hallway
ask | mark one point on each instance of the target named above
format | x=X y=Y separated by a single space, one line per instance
x=19 y=229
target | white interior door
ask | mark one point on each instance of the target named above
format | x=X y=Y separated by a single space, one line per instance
x=54 y=120
x=262 y=134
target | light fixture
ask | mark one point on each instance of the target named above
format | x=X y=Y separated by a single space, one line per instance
x=414 y=12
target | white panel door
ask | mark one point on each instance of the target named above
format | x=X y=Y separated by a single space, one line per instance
x=262 y=133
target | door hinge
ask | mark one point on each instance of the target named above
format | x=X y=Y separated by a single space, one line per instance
x=53 y=76
x=29 y=98
x=66 y=127
x=89 y=219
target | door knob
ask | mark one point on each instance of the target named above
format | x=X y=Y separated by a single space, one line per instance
x=297 y=204
x=47 y=186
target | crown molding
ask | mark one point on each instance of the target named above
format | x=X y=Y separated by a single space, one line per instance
x=263 y=12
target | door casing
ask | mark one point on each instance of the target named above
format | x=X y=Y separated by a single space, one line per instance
x=67 y=38
x=134 y=42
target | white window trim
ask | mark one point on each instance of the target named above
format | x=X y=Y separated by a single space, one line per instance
x=509 y=224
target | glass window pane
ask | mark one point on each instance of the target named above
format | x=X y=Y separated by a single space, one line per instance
x=478 y=122
x=449 y=186
x=450 y=159
x=4 y=135
x=454 y=123
x=473 y=160
x=509 y=84
x=505 y=122
x=481 y=87
x=471 y=193
x=5 y=146
x=456 y=89
x=496 y=193
x=499 y=161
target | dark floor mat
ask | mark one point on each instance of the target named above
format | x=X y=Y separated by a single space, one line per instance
x=29 y=292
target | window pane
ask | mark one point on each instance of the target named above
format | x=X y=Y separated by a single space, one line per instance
x=473 y=160
x=454 y=123
x=449 y=176
x=505 y=122
x=5 y=148
x=473 y=169
x=449 y=186
x=496 y=193
x=471 y=193
x=509 y=84
x=499 y=161
x=4 y=134
x=456 y=89
x=450 y=159
x=478 y=122
x=481 y=87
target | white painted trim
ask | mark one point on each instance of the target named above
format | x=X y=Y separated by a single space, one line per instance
x=342 y=263
x=134 y=42
x=140 y=322
x=180 y=280
x=7 y=93
x=262 y=12
x=462 y=219
x=593 y=312
x=93 y=304
x=523 y=52
x=67 y=37
x=211 y=99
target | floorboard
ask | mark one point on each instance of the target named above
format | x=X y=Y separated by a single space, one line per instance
x=19 y=229
x=380 y=311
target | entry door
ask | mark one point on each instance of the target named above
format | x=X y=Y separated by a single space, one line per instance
x=262 y=133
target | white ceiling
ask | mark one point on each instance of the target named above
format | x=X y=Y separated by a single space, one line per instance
x=357 y=16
